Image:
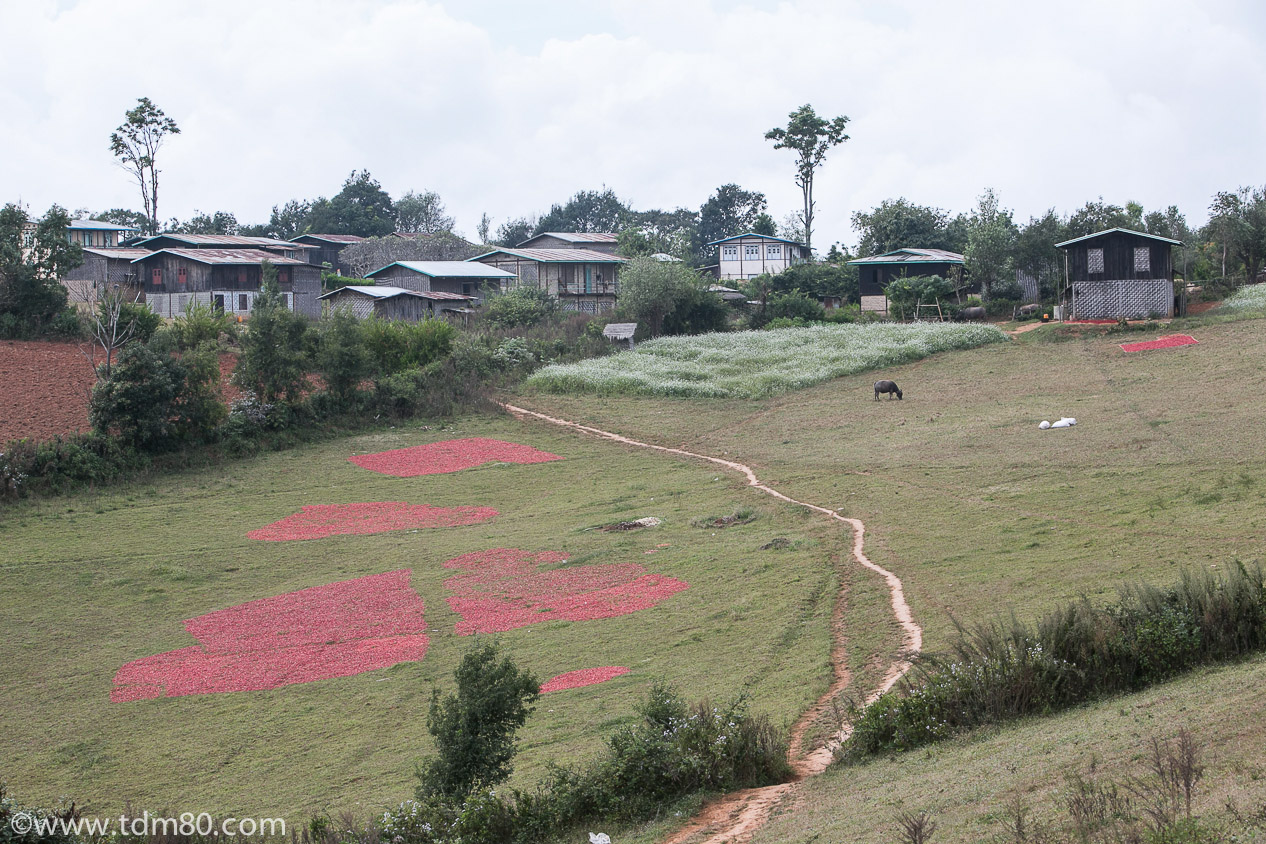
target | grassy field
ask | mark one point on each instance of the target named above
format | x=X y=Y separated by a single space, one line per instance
x=90 y=582
x=974 y=507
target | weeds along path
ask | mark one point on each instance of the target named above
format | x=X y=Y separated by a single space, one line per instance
x=736 y=816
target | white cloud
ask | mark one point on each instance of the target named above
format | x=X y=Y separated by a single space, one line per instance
x=507 y=108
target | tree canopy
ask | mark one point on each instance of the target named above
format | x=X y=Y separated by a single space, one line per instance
x=362 y=208
x=900 y=224
x=730 y=211
x=135 y=143
x=810 y=137
x=422 y=213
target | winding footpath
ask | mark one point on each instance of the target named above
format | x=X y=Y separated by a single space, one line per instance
x=737 y=816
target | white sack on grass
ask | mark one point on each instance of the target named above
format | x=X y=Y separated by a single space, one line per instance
x=1064 y=422
x=1044 y=425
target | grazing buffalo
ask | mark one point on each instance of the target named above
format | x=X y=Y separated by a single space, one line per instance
x=889 y=387
x=969 y=314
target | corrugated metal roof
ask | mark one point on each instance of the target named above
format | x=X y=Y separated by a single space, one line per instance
x=447 y=269
x=330 y=238
x=118 y=252
x=386 y=291
x=99 y=225
x=1118 y=230
x=228 y=256
x=754 y=234
x=576 y=237
x=229 y=241
x=913 y=256
x=557 y=256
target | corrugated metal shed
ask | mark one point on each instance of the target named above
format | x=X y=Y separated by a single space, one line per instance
x=447 y=269
x=1118 y=231
x=913 y=256
x=225 y=256
x=121 y=253
x=558 y=256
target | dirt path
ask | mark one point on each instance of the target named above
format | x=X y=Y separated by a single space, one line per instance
x=737 y=816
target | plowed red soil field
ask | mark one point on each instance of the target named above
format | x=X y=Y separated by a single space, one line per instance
x=44 y=388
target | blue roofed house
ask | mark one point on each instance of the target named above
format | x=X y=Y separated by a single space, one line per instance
x=876 y=272
x=583 y=280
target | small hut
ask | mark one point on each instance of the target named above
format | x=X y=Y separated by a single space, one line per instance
x=875 y=273
x=1118 y=274
x=388 y=302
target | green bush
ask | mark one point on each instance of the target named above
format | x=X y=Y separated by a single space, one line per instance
x=1077 y=653
x=275 y=351
x=50 y=832
x=396 y=346
x=63 y=463
x=520 y=307
x=342 y=358
x=788 y=307
x=474 y=728
x=200 y=324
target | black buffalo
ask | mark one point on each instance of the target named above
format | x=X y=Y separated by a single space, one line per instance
x=889 y=387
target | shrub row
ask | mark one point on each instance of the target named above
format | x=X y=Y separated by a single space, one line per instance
x=1077 y=653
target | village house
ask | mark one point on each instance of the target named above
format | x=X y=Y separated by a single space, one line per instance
x=878 y=271
x=104 y=268
x=94 y=233
x=226 y=279
x=325 y=249
x=748 y=255
x=389 y=302
x=581 y=279
x=1118 y=274
x=171 y=240
x=466 y=278
x=593 y=241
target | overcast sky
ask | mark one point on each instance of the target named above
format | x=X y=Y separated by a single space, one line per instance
x=507 y=107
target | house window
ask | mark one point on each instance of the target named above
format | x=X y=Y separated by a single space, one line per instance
x=156 y=276
x=751 y=253
x=283 y=276
x=182 y=276
x=1142 y=259
x=1094 y=260
x=243 y=304
x=773 y=251
x=241 y=277
x=729 y=253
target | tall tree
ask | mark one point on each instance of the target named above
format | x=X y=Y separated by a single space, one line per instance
x=291 y=220
x=1035 y=254
x=811 y=137
x=32 y=261
x=514 y=231
x=728 y=212
x=900 y=224
x=1097 y=216
x=587 y=211
x=362 y=208
x=990 y=239
x=136 y=143
x=422 y=213
x=221 y=222
x=1239 y=218
x=484 y=229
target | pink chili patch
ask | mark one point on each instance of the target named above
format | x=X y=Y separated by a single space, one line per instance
x=449 y=456
x=502 y=590
x=1161 y=343
x=583 y=677
x=335 y=630
x=320 y=520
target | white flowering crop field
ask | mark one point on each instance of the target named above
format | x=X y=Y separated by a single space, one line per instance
x=754 y=364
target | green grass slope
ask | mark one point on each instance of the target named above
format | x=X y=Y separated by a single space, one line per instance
x=91 y=582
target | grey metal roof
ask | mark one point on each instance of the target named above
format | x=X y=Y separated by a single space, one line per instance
x=913 y=256
x=98 y=225
x=330 y=238
x=447 y=269
x=120 y=252
x=242 y=257
x=386 y=291
x=576 y=237
x=557 y=256
x=1118 y=230
x=228 y=241
x=754 y=234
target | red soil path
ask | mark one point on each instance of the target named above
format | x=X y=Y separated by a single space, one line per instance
x=44 y=388
x=737 y=816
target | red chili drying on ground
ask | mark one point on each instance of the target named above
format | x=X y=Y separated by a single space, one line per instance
x=449 y=456
x=320 y=520
x=583 y=677
x=335 y=630
x=502 y=590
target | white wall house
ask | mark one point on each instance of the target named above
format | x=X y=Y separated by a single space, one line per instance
x=749 y=255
